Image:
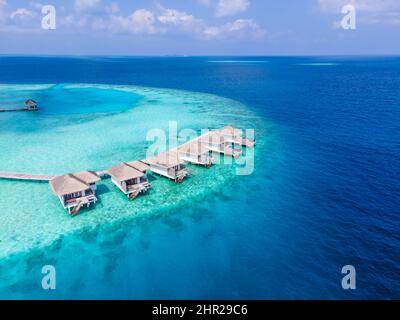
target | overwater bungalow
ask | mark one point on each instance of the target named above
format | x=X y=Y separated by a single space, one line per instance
x=31 y=105
x=169 y=165
x=130 y=178
x=195 y=152
x=232 y=134
x=75 y=190
x=216 y=142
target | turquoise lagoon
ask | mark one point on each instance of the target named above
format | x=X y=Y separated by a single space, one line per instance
x=92 y=127
x=325 y=190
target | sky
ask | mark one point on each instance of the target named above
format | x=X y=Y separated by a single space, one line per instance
x=200 y=27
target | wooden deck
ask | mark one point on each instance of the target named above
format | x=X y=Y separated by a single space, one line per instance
x=26 y=176
x=16 y=109
x=35 y=177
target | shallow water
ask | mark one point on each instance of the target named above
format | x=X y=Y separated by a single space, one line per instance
x=54 y=143
x=324 y=193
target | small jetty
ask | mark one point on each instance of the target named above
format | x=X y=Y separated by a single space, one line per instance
x=27 y=176
x=76 y=190
x=30 y=105
x=36 y=177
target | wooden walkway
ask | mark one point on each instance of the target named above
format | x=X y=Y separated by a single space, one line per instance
x=13 y=109
x=26 y=176
x=102 y=174
x=35 y=177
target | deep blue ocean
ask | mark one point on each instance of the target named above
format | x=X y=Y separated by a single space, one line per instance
x=331 y=195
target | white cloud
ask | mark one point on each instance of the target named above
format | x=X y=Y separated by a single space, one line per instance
x=176 y=17
x=141 y=21
x=238 y=29
x=19 y=20
x=178 y=21
x=231 y=7
x=175 y=21
x=83 y=5
x=21 y=13
x=110 y=19
x=158 y=21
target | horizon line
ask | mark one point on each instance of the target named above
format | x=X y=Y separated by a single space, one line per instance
x=202 y=56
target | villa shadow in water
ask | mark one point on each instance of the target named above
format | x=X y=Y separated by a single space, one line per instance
x=102 y=189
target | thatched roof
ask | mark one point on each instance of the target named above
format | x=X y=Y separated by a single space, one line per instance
x=139 y=165
x=88 y=177
x=124 y=172
x=194 y=148
x=30 y=103
x=230 y=131
x=67 y=184
x=167 y=159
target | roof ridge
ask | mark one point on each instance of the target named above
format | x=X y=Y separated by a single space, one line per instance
x=78 y=179
x=132 y=167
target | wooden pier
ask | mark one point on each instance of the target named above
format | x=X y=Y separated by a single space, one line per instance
x=26 y=176
x=104 y=173
x=30 y=105
x=37 y=177
x=15 y=109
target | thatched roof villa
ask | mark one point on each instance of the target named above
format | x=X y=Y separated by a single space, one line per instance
x=169 y=165
x=232 y=134
x=130 y=177
x=216 y=142
x=31 y=105
x=195 y=152
x=75 y=190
